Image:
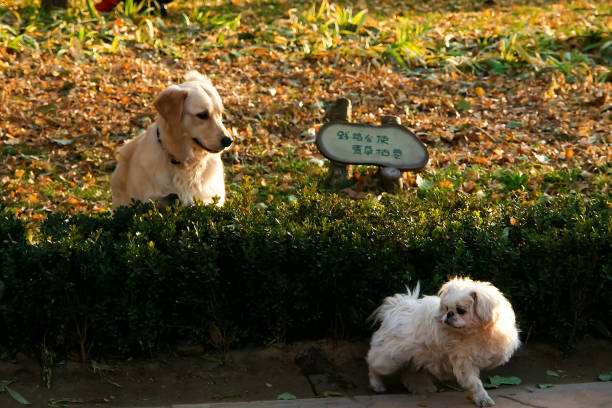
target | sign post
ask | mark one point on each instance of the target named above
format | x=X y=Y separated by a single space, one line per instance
x=391 y=146
x=339 y=111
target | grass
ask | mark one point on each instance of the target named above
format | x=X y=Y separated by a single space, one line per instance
x=568 y=37
x=286 y=175
x=463 y=43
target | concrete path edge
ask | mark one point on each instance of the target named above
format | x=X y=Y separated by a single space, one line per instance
x=583 y=395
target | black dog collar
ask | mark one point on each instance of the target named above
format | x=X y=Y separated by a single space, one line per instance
x=172 y=159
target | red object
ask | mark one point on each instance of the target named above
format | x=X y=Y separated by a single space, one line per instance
x=106 y=5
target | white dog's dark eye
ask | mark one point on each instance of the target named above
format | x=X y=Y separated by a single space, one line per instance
x=203 y=115
x=460 y=310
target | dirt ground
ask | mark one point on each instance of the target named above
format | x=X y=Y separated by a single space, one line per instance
x=309 y=369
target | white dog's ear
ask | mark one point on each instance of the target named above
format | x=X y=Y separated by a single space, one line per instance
x=170 y=103
x=486 y=299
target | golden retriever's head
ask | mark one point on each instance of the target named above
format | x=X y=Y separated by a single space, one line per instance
x=192 y=113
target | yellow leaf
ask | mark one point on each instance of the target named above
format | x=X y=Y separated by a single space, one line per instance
x=32 y=198
x=550 y=93
x=481 y=160
x=479 y=91
x=19 y=173
x=445 y=184
x=74 y=201
x=469 y=186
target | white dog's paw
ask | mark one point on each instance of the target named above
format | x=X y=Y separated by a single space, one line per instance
x=378 y=386
x=376 y=382
x=484 y=401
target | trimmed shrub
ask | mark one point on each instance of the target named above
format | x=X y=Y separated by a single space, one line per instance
x=240 y=275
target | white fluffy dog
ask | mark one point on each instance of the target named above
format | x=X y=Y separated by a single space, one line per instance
x=468 y=327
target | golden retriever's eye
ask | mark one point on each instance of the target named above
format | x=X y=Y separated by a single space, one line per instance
x=460 y=310
x=203 y=115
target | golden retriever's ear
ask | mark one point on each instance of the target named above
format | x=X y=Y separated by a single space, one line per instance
x=170 y=103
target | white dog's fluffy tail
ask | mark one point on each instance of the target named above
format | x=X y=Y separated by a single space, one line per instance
x=395 y=304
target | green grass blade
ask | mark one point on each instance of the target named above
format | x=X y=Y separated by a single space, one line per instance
x=17 y=396
x=92 y=10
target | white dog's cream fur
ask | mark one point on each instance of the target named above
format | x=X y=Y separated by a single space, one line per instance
x=470 y=326
x=180 y=152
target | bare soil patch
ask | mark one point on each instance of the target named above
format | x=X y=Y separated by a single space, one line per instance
x=313 y=369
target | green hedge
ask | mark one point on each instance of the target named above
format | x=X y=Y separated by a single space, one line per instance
x=240 y=275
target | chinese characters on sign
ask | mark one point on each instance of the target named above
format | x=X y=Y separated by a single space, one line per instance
x=368 y=145
x=386 y=145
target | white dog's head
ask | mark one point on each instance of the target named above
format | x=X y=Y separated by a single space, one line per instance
x=192 y=112
x=468 y=304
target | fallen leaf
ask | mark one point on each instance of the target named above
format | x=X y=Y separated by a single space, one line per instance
x=74 y=201
x=64 y=142
x=605 y=377
x=482 y=160
x=445 y=184
x=463 y=105
x=48 y=109
x=496 y=381
x=423 y=183
x=286 y=396
x=4 y=386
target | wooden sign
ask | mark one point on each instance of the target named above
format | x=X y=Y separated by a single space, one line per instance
x=388 y=145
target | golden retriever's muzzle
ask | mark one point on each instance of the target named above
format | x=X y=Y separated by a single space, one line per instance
x=225 y=142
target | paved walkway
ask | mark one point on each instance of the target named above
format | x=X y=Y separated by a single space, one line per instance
x=586 y=395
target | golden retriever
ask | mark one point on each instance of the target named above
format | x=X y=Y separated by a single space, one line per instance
x=180 y=153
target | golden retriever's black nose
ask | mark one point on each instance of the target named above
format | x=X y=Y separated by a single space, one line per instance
x=226 y=141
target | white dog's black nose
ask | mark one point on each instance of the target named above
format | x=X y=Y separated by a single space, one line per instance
x=226 y=141
x=450 y=314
